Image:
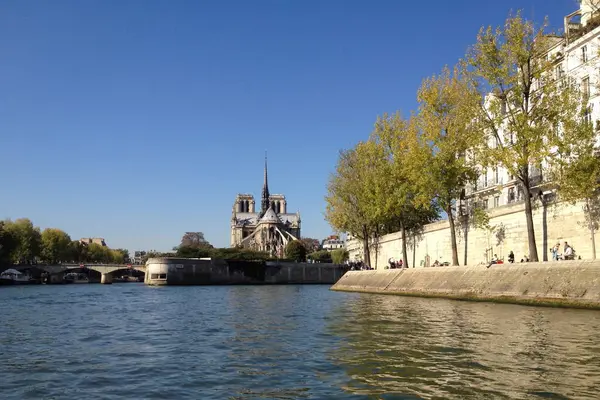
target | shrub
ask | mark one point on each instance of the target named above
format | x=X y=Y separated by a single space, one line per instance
x=296 y=251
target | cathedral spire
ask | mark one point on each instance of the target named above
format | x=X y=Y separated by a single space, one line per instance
x=265 y=191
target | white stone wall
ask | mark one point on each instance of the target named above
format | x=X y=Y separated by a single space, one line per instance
x=563 y=223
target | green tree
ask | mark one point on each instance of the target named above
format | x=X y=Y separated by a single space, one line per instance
x=447 y=106
x=322 y=256
x=339 y=256
x=356 y=191
x=98 y=254
x=27 y=240
x=296 y=251
x=119 y=256
x=526 y=112
x=78 y=252
x=577 y=175
x=55 y=246
x=194 y=240
x=397 y=197
x=7 y=244
x=193 y=252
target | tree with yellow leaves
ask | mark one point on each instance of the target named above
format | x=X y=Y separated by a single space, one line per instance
x=525 y=110
x=447 y=106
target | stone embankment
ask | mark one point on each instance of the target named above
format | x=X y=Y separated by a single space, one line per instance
x=565 y=283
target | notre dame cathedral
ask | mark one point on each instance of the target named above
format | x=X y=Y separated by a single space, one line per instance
x=269 y=229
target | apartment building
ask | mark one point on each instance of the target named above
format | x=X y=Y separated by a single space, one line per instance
x=575 y=55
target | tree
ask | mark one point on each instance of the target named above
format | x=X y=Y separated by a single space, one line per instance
x=322 y=256
x=310 y=244
x=577 y=175
x=355 y=192
x=526 y=112
x=98 y=254
x=447 y=105
x=194 y=240
x=339 y=256
x=55 y=245
x=397 y=185
x=296 y=251
x=193 y=252
x=120 y=256
x=78 y=252
x=27 y=240
x=7 y=244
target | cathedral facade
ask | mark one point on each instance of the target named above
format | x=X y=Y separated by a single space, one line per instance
x=267 y=229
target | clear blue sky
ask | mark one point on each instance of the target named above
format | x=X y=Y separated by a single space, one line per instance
x=139 y=120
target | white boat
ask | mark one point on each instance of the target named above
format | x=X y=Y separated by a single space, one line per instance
x=76 y=277
x=13 y=277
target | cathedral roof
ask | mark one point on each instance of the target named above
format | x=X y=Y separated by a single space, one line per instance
x=270 y=217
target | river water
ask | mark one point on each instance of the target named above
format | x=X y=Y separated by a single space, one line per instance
x=130 y=341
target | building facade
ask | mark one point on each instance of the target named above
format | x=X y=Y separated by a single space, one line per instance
x=267 y=229
x=98 y=241
x=333 y=242
x=575 y=56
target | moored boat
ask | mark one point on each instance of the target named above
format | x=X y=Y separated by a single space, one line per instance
x=75 y=277
x=13 y=277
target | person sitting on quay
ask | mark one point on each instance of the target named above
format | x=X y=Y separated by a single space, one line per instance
x=554 y=250
x=511 y=257
x=569 y=252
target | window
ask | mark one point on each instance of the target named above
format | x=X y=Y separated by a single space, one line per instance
x=584 y=54
x=496 y=175
x=585 y=87
x=511 y=195
x=560 y=72
x=497 y=201
x=485 y=204
x=587 y=115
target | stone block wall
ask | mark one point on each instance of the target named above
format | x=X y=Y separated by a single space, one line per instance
x=559 y=222
x=567 y=283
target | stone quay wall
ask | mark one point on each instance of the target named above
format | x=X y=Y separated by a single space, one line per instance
x=181 y=271
x=558 y=222
x=567 y=283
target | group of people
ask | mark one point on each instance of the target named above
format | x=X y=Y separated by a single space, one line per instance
x=568 y=252
x=357 y=266
x=393 y=263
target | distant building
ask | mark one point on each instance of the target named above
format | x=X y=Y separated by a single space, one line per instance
x=333 y=242
x=270 y=229
x=99 y=241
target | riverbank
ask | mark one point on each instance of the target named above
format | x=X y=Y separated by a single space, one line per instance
x=558 y=284
x=195 y=271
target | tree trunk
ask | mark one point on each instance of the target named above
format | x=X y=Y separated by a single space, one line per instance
x=466 y=241
x=366 y=249
x=414 y=250
x=592 y=231
x=452 y=236
x=591 y=226
x=366 y=255
x=533 y=254
x=404 y=255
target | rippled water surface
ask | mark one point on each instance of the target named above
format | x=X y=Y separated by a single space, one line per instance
x=130 y=341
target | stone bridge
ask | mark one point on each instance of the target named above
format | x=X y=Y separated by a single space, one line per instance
x=103 y=269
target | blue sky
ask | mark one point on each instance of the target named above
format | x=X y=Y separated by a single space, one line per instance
x=137 y=121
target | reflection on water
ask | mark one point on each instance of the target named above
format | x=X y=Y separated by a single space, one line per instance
x=447 y=349
x=286 y=342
